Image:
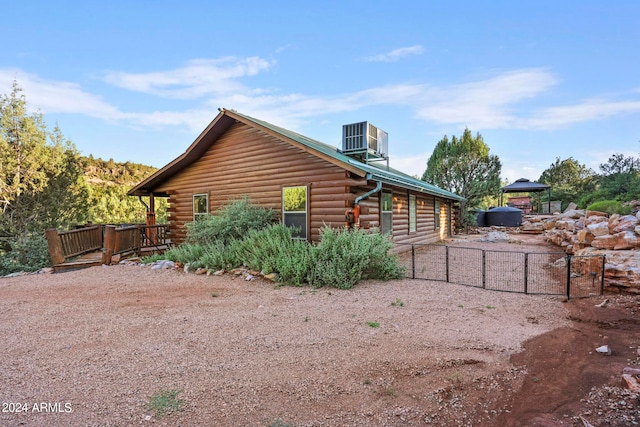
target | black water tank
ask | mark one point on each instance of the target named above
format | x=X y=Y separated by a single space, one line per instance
x=503 y=216
x=481 y=220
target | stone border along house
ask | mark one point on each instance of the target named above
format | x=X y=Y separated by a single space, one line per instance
x=307 y=182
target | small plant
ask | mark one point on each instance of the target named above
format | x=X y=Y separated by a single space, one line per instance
x=152 y=258
x=390 y=392
x=214 y=294
x=374 y=324
x=397 y=303
x=163 y=402
x=366 y=381
x=460 y=306
x=456 y=379
x=489 y=307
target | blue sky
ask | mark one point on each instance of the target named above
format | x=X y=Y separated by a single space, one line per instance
x=139 y=80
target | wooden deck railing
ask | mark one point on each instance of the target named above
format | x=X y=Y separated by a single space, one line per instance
x=109 y=239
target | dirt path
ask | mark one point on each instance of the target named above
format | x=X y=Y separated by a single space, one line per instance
x=94 y=345
x=567 y=379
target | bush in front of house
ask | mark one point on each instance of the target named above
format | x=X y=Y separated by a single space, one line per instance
x=344 y=257
x=214 y=256
x=242 y=234
x=273 y=250
x=232 y=222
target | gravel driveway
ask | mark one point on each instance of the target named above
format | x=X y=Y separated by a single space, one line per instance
x=92 y=347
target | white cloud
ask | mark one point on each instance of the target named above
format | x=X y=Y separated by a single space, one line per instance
x=588 y=110
x=485 y=104
x=58 y=96
x=493 y=102
x=395 y=54
x=199 y=78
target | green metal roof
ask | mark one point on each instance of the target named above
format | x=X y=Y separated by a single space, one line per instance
x=375 y=171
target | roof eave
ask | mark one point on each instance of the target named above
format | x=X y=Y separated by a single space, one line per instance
x=218 y=125
x=344 y=165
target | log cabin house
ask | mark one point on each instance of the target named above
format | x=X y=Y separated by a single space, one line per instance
x=307 y=182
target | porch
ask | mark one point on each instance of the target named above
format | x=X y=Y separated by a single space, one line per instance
x=102 y=244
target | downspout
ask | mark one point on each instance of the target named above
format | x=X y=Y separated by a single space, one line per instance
x=144 y=204
x=356 y=205
x=368 y=193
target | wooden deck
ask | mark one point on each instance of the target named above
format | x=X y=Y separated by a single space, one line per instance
x=97 y=245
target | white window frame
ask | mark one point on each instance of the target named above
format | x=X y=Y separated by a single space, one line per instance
x=384 y=212
x=436 y=209
x=413 y=214
x=199 y=215
x=304 y=233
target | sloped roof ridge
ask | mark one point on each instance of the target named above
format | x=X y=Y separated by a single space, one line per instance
x=290 y=134
x=391 y=175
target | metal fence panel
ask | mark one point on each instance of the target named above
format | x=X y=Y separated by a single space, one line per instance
x=524 y=272
x=585 y=275
x=430 y=262
x=466 y=266
x=505 y=271
x=547 y=273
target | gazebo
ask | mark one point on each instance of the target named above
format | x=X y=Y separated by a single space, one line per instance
x=523 y=185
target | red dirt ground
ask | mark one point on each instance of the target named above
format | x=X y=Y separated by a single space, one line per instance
x=567 y=379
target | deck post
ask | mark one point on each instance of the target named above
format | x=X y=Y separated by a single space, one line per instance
x=55 y=246
x=108 y=243
x=137 y=239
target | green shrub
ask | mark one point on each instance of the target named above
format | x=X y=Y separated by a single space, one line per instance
x=344 y=257
x=219 y=257
x=242 y=234
x=610 y=207
x=231 y=222
x=273 y=250
x=185 y=253
x=28 y=252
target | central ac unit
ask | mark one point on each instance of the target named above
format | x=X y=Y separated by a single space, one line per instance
x=363 y=137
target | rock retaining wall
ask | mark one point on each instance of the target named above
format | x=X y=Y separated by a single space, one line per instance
x=582 y=233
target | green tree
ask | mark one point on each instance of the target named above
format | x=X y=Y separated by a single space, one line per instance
x=41 y=181
x=570 y=180
x=620 y=179
x=465 y=167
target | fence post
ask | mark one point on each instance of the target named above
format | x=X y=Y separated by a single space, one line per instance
x=413 y=261
x=108 y=244
x=526 y=272
x=447 y=261
x=604 y=261
x=55 y=247
x=484 y=269
x=137 y=240
x=568 y=276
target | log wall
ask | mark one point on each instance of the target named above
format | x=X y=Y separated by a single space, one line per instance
x=246 y=161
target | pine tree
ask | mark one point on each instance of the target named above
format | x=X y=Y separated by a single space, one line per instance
x=41 y=181
x=465 y=167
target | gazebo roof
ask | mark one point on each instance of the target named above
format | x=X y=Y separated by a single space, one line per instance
x=523 y=185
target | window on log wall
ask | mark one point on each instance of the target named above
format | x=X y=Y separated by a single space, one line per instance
x=200 y=206
x=294 y=209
